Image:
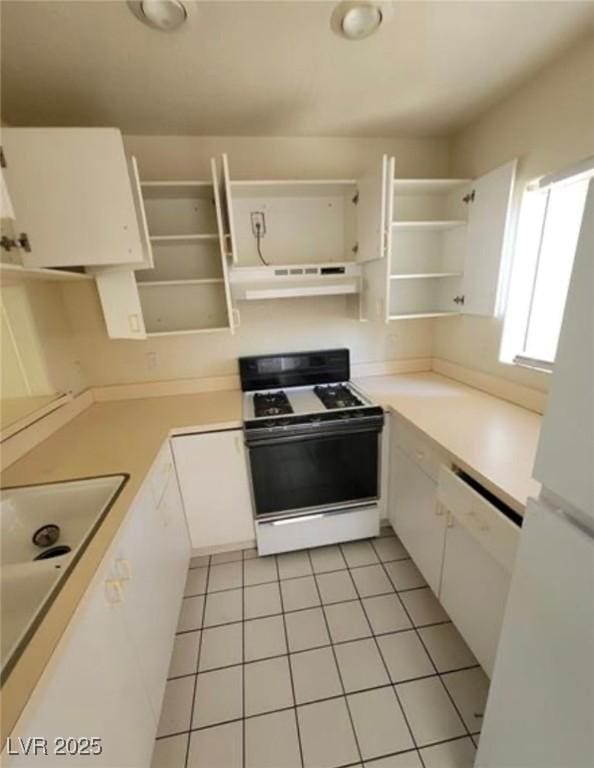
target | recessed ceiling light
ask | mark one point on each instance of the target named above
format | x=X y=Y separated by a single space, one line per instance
x=165 y=15
x=356 y=20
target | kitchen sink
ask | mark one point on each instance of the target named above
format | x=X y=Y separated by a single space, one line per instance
x=43 y=531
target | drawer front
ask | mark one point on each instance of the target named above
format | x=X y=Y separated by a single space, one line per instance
x=160 y=472
x=317 y=530
x=498 y=535
x=418 y=449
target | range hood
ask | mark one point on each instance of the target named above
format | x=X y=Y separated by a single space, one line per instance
x=293 y=281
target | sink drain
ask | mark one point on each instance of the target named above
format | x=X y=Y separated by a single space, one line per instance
x=46 y=535
x=61 y=549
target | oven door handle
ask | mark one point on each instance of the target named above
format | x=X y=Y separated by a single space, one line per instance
x=254 y=442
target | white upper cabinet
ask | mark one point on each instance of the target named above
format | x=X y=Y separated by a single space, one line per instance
x=72 y=196
x=183 y=287
x=486 y=238
x=445 y=244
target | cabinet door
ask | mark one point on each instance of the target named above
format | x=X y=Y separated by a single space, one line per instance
x=145 y=239
x=372 y=214
x=72 y=195
x=219 y=196
x=227 y=209
x=416 y=515
x=120 y=302
x=213 y=479
x=474 y=589
x=92 y=686
x=151 y=561
x=487 y=239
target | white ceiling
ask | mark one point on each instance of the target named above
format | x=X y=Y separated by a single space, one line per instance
x=274 y=68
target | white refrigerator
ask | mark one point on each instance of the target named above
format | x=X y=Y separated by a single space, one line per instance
x=540 y=712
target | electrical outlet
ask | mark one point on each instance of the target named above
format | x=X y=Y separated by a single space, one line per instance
x=258 y=223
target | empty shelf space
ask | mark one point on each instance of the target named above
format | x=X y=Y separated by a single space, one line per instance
x=180 y=306
x=182 y=238
x=159 y=190
x=201 y=281
x=420 y=315
x=436 y=225
x=423 y=275
x=427 y=186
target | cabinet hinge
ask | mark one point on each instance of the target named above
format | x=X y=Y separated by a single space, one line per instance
x=355 y=248
x=22 y=241
x=459 y=299
x=355 y=199
x=469 y=198
x=2 y=158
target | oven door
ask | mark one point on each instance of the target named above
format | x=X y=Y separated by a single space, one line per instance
x=291 y=475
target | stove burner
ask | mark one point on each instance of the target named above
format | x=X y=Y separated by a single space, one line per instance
x=337 y=396
x=271 y=404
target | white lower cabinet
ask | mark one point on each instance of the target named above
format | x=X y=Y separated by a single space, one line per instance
x=462 y=543
x=414 y=512
x=213 y=479
x=107 y=676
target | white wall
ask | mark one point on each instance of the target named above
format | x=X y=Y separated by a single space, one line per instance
x=548 y=124
x=267 y=326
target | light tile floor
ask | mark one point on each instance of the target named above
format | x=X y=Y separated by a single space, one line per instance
x=333 y=657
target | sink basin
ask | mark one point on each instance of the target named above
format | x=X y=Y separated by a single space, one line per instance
x=72 y=512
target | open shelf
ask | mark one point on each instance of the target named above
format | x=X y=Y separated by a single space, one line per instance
x=421 y=315
x=203 y=281
x=176 y=306
x=437 y=225
x=183 y=238
x=427 y=186
x=424 y=275
x=159 y=190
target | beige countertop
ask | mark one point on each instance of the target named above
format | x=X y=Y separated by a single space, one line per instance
x=491 y=438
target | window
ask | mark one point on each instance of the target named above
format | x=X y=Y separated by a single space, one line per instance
x=549 y=227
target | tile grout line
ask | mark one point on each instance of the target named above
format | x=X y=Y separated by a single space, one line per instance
x=392 y=685
x=420 y=638
x=344 y=693
x=297 y=726
x=309 y=608
x=243 y=730
x=328 y=645
x=290 y=578
x=193 y=704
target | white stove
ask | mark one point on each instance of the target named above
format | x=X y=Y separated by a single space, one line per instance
x=313 y=442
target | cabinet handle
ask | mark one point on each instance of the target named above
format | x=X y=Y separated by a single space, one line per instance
x=420 y=455
x=450 y=523
x=439 y=510
x=124 y=569
x=114 y=592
